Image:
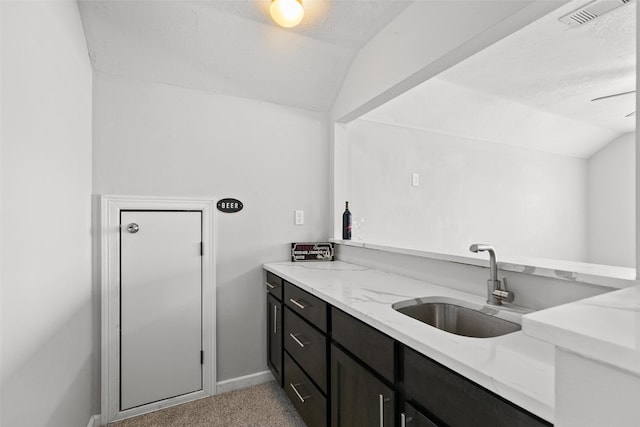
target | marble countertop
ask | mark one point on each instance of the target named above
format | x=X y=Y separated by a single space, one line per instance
x=517 y=367
x=595 y=274
x=605 y=328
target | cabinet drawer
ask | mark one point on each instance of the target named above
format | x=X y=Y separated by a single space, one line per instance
x=307 y=346
x=306 y=305
x=432 y=386
x=368 y=344
x=274 y=285
x=309 y=402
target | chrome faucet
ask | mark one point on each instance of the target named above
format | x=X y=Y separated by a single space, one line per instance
x=495 y=292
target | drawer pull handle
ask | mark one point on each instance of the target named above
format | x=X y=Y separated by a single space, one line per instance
x=381 y=401
x=275 y=319
x=302 y=399
x=300 y=343
x=270 y=286
x=302 y=306
x=404 y=420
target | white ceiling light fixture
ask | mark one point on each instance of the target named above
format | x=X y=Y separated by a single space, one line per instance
x=286 y=13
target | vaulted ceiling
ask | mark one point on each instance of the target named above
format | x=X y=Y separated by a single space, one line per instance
x=232 y=46
x=534 y=88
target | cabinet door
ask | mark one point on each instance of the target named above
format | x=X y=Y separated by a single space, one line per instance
x=358 y=398
x=274 y=337
x=457 y=401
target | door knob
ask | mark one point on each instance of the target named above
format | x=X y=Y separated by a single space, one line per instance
x=133 y=228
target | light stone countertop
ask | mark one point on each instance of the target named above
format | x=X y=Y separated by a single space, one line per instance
x=595 y=274
x=515 y=366
x=605 y=328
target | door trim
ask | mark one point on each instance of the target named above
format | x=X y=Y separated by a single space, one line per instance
x=110 y=207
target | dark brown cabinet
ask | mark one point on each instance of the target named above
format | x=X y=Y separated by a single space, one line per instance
x=307 y=306
x=372 y=347
x=307 y=346
x=305 y=354
x=456 y=401
x=358 y=398
x=274 y=326
x=309 y=401
x=339 y=371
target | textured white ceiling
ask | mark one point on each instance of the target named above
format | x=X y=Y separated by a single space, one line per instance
x=232 y=46
x=534 y=88
x=534 y=85
x=559 y=69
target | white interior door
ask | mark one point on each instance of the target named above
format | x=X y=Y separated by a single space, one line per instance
x=160 y=305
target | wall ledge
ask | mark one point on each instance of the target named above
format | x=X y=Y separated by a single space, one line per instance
x=594 y=274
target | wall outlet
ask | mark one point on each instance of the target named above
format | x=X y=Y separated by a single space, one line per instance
x=415 y=179
x=299 y=217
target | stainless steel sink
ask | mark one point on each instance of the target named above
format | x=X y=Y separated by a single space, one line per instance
x=456 y=318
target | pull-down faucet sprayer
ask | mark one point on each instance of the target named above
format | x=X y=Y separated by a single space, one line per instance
x=495 y=293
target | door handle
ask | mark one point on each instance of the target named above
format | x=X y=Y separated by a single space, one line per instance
x=404 y=420
x=275 y=319
x=381 y=402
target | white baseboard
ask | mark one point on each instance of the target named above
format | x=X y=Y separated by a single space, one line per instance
x=94 y=421
x=242 y=382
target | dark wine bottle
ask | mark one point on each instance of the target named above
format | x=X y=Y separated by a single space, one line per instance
x=346 y=223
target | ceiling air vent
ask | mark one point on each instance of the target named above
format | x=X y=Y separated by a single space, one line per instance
x=591 y=11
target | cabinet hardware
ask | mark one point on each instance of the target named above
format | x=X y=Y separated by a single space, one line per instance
x=300 y=343
x=404 y=420
x=302 y=306
x=302 y=399
x=275 y=319
x=270 y=286
x=381 y=403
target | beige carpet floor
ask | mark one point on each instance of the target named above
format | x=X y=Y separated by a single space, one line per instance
x=259 y=405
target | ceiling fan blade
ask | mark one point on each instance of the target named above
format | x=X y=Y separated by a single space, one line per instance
x=611 y=96
x=631 y=114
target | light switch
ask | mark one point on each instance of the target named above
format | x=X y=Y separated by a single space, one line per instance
x=415 y=179
x=299 y=217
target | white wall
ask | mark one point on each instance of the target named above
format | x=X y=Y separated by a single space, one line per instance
x=522 y=201
x=155 y=139
x=49 y=365
x=425 y=39
x=611 y=200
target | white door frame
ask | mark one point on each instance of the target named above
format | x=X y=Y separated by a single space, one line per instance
x=110 y=207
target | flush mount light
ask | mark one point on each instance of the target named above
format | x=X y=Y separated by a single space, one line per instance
x=286 y=13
